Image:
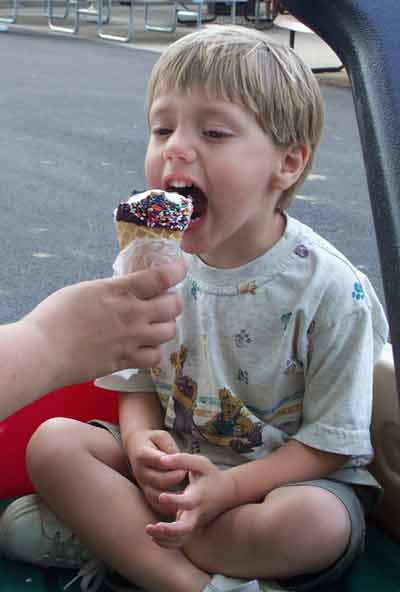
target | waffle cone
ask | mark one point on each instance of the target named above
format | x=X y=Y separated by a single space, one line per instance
x=127 y=232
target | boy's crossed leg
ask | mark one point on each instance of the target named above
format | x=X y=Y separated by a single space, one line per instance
x=87 y=478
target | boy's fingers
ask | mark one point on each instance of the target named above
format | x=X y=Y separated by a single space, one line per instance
x=155 y=280
x=170 y=530
x=190 y=462
x=180 y=501
x=165 y=442
x=166 y=541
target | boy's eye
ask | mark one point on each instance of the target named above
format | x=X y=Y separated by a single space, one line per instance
x=215 y=134
x=161 y=131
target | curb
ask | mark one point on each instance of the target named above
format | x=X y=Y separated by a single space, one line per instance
x=38 y=24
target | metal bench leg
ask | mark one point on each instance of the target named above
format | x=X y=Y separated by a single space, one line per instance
x=322 y=69
x=46 y=10
x=58 y=28
x=233 y=12
x=194 y=16
x=160 y=28
x=108 y=36
x=266 y=21
x=14 y=12
x=199 y=14
x=94 y=12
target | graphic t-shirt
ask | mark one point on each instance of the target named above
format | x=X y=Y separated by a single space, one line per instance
x=283 y=347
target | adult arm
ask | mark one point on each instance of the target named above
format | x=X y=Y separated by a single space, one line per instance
x=87 y=330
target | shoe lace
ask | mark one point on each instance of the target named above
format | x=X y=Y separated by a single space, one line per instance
x=67 y=551
x=92 y=575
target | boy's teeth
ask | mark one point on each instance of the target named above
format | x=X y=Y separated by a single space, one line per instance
x=179 y=185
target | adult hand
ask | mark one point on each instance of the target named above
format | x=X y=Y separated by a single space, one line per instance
x=200 y=503
x=98 y=327
x=88 y=330
x=145 y=448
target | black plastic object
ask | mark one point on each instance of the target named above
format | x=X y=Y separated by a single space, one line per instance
x=365 y=36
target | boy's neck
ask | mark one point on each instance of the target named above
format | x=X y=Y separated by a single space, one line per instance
x=232 y=260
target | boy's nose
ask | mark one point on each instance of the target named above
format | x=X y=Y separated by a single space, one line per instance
x=179 y=147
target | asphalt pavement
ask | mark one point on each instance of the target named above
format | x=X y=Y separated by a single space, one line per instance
x=72 y=143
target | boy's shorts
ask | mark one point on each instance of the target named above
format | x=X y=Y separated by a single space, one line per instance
x=320 y=580
x=347 y=495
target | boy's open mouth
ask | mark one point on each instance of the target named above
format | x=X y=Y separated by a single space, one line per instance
x=198 y=198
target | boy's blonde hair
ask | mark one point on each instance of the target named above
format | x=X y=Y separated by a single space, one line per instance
x=239 y=65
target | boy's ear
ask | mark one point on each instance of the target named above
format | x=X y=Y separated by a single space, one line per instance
x=293 y=163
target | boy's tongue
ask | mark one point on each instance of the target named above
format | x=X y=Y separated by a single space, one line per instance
x=199 y=202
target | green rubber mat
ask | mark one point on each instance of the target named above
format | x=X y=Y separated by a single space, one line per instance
x=15 y=577
x=377 y=571
x=379 y=567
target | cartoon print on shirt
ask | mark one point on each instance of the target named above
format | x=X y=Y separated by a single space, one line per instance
x=358 y=291
x=243 y=376
x=232 y=426
x=184 y=391
x=242 y=339
x=248 y=288
x=195 y=447
x=293 y=366
x=285 y=319
x=157 y=372
x=311 y=328
x=302 y=251
x=195 y=289
x=286 y=415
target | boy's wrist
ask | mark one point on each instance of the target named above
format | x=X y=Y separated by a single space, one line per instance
x=229 y=491
x=131 y=439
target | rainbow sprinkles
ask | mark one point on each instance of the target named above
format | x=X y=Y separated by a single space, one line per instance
x=156 y=209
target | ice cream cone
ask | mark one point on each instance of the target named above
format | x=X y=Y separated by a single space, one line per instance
x=149 y=246
x=127 y=232
x=150 y=227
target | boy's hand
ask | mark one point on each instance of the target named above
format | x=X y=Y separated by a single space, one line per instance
x=145 y=450
x=201 y=501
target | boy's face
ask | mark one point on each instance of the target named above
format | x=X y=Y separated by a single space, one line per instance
x=219 y=148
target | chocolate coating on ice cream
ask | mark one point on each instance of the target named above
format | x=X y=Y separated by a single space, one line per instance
x=156 y=209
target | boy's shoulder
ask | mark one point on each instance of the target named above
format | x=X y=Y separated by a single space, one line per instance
x=319 y=247
x=332 y=279
x=323 y=260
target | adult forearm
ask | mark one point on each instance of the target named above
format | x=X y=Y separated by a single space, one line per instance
x=28 y=368
x=252 y=481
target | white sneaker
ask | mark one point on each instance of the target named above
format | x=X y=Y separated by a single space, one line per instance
x=91 y=575
x=220 y=583
x=30 y=532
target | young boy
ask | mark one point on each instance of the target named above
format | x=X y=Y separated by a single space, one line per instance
x=244 y=451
